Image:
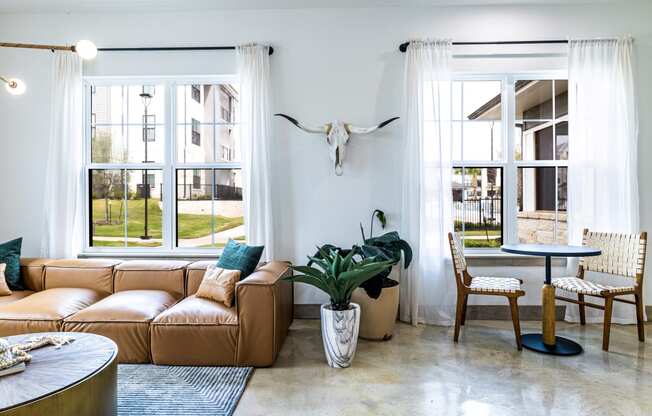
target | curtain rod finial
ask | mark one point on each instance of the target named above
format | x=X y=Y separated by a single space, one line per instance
x=403 y=47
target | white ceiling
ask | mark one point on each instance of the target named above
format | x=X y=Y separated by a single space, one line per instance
x=81 y=6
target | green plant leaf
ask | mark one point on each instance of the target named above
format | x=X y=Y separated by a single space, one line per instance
x=313 y=281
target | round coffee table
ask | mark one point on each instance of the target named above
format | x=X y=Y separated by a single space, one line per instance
x=79 y=378
x=547 y=342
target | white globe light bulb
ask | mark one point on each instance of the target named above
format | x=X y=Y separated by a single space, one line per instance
x=86 y=49
x=15 y=86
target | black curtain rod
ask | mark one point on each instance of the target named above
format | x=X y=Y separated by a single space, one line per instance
x=178 y=48
x=403 y=46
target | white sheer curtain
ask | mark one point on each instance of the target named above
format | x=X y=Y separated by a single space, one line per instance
x=428 y=286
x=255 y=135
x=62 y=205
x=602 y=164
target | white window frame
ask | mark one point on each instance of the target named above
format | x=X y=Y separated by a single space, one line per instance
x=168 y=167
x=508 y=162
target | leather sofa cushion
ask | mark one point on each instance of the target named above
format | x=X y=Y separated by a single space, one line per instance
x=44 y=311
x=212 y=327
x=151 y=275
x=206 y=345
x=15 y=295
x=32 y=270
x=96 y=274
x=195 y=275
x=126 y=306
x=198 y=311
x=123 y=317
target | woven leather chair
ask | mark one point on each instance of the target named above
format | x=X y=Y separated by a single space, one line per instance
x=622 y=255
x=469 y=285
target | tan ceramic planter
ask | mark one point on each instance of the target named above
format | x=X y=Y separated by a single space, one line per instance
x=377 y=316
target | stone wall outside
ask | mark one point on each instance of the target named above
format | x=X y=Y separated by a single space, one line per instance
x=538 y=227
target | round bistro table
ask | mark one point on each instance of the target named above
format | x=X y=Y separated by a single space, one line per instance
x=76 y=379
x=547 y=342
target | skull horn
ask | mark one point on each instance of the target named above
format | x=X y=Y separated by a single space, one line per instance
x=321 y=130
x=363 y=130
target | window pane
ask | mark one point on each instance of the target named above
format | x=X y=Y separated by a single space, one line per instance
x=482 y=140
x=537 y=202
x=533 y=144
x=457 y=141
x=216 y=104
x=477 y=206
x=561 y=98
x=206 y=143
x=229 y=210
x=562 y=203
x=456 y=100
x=127 y=104
x=561 y=141
x=145 y=101
x=194 y=207
x=533 y=100
x=209 y=207
x=145 y=208
x=107 y=208
x=127 y=124
x=107 y=104
x=481 y=100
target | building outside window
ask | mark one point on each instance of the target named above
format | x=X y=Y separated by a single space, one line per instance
x=142 y=197
x=501 y=196
x=196 y=134
x=196 y=92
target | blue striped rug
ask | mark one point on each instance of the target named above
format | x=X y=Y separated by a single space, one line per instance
x=174 y=390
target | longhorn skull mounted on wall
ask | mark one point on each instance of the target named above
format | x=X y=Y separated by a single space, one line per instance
x=337 y=135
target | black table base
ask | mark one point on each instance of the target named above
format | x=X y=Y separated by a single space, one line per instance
x=563 y=346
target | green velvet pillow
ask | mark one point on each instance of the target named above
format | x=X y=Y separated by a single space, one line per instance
x=10 y=255
x=241 y=257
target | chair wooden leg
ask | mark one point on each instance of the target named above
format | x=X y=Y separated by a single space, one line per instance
x=513 y=303
x=639 y=317
x=458 y=316
x=580 y=298
x=608 y=307
x=464 y=304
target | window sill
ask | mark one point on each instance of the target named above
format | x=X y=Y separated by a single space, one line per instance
x=150 y=256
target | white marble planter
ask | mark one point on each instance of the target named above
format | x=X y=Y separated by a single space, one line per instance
x=339 y=332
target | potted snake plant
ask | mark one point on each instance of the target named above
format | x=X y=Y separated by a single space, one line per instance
x=378 y=297
x=338 y=276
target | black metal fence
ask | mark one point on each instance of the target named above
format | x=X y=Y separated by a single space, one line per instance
x=192 y=192
x=478 y=212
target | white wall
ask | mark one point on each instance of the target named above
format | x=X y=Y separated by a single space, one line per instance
x=328 y=64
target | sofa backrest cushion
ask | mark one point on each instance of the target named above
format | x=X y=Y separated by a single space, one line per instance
x=195 y=274
x=96 y=274
x=32 y=271
x=167 y=275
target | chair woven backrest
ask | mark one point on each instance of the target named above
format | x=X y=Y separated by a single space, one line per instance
x=457 y=252
x=622 y=254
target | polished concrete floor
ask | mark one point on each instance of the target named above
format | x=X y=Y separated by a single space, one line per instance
x=422 y=372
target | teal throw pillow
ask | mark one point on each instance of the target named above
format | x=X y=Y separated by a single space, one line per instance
x=237 y=256
x=10 y=255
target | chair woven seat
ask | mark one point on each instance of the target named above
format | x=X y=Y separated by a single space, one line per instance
x=495 y=284
x=622 y=256
x=585 y=287
x=481 y=286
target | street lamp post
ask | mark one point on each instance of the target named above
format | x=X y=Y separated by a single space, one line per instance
x=146 y=95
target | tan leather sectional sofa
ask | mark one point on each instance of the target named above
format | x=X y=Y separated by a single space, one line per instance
x=149 y=309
